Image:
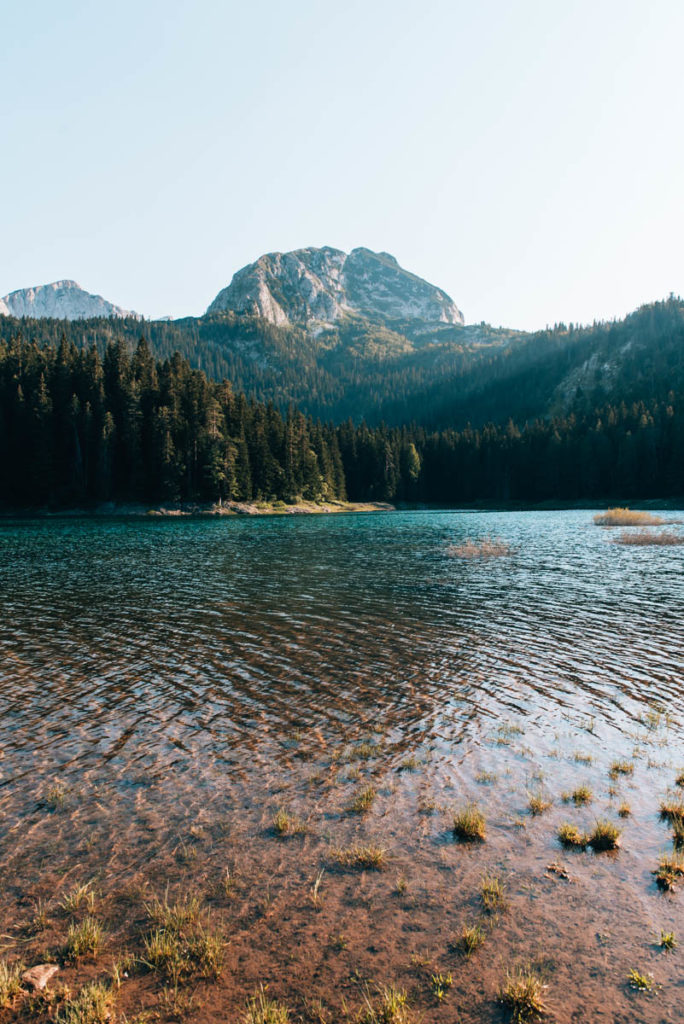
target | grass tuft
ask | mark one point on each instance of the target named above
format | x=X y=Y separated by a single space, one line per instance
x=469 y=824
x=92 y=1005
x=669 y=871
x=668 y=941
x=569 y=835
x=472 y=937
x=522 y=995
x=492 y=894
x=620 y=768
x=262 y=1010
x=390 y=1007
x=366 y=857
x=647 y=538
x=537 y=804
x=640 y=982
x=363 y=801
x=10 y=982
x=85 y=938
x=604 y=836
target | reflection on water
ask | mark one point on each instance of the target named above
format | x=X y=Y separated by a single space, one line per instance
x=184 y=675
x=169 y=646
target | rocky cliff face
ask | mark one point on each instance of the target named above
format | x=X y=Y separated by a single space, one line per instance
x=317 y=287
x=61 y=300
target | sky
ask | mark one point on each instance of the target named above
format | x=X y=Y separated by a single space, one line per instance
x=525 y=155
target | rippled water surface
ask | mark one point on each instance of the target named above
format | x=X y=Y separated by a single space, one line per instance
x=171 y=672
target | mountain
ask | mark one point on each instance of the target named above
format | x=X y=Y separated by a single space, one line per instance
x=62 y=300
x=317 y=288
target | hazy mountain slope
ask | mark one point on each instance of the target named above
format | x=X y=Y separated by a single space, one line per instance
x=62 y=300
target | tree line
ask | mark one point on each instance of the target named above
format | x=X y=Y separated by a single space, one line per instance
x=78 y=428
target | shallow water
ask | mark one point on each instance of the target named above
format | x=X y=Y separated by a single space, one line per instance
x=192 y=676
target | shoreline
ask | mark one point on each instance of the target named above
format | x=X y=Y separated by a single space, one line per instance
x=205 y=510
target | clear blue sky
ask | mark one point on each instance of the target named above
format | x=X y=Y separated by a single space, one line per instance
x=525 y=155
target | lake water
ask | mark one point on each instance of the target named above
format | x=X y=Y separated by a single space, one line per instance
x=184 y=679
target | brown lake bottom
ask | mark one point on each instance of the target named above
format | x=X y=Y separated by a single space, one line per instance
x=219 y=717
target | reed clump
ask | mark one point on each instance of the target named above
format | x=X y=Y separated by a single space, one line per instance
x=10 y=982
x=470 y=825
x=367 y=857
x=670 y=871
x=262 y=1010
x=604 y=836
x=570 y=836
x=627 y=517
x=522 y=994
x=646 y=538
x=488 y=547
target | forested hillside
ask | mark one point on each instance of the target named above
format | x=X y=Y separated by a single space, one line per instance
x=441 y=376
x=77 y=429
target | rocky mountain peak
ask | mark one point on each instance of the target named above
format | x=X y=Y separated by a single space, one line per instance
x=62 y=300
x=316 y=287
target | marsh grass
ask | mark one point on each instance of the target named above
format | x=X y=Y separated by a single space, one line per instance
x=670 y=871
x=618 y=768
x=10 y=982
x=92 y=1005
x=388 y=1007
x=679 y=781
x=361 y=857
x=580 y=796
x=285 y=824
x=55 y=797
x=667 y=941
x=627 y=517
x=492 y=894
x=472 y=937
x=604 y=836
x=645 y=538
x=183 y=913
x=522 y=994
x=537 y=804
x=262 y=1010
x=363 y=801
x=624 y=810
x=672 y=811
x=570 y=836
x=469 y=824
x=488 y=547
x=81 y=897
x=640 y=982
x=440 y=985
x=84 y=938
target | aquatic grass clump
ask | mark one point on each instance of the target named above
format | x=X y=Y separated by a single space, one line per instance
x=644 y=538
x=669 y=871
x=570 y=836
x=10 y=982
x=537 y=804
x=618 y=768
x=672 y=811
x=604 y=836
x=522 y=995
x=285 y=824
x=627 y=517
x=624 y=810
x=179 y=956
x=262 y=1010
x=640 y=982
x=469 y=824
x=389 y=1007
x=679 y=781
x=492 y=894
x=92 y=1005
x=580 y=797
x=184 y=913
x=667 y=941
x=363 y=801
x=80 y=897
x=85 y=938
x=366 y=857
x=488 y=547
x=472 y=937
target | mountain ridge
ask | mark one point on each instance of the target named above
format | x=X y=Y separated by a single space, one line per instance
x=62 y=300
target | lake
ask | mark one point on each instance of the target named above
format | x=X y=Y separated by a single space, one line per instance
x=168 y=686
